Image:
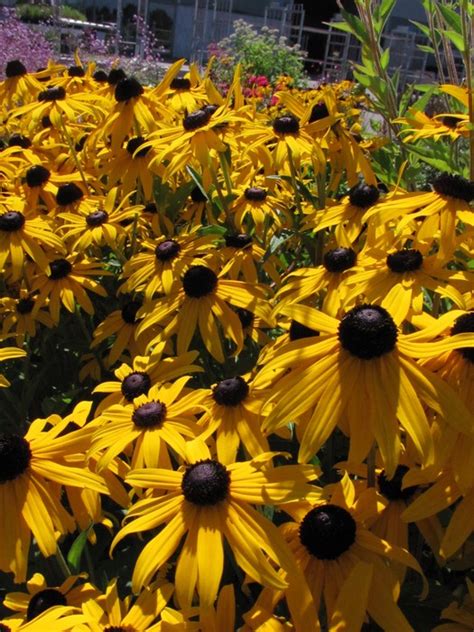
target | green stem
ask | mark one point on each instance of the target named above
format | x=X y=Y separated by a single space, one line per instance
x=74 y=154
x=468 y=36
x=294 y=182
x=66 y=571
x=223 y=201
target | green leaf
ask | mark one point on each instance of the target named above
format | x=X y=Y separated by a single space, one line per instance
x=197 y=179
x=437 y=161
x=456 y=39
x=426 y=49
x=385 y=58
x=356 y=25
x=386 y=8
x=423 y=28
x=422 y=102
x=75 y=552
x=451 y=18
x=212 y=229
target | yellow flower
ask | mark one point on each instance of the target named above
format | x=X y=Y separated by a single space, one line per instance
x=33 y=469
x=362 y=358
x=206 y=502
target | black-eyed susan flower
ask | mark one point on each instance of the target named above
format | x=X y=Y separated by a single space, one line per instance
x=196 y=137
x=243 y=256
x=145 y=371
x=39 y=596
x=207 y=501
x=440 y=210
x=60 y=106
x=66 y=284
x=100 y=226
x=33 y=469
x=338 y=265
x=19 y=86
x=153 y=424
x=202 y=301
x=122 y=325
x=348 y=216
x=16 y=316
x=343 y=562
x=233 y=412
x=398 y=278
x=162 y=261
x=22 y=235
x=363 y=357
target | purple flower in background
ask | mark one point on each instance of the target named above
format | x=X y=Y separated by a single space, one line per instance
x=22 y=42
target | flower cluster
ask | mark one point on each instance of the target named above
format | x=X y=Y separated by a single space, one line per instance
x=239 y=362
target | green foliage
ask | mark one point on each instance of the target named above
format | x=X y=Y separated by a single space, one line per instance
x=36 y=13
x=261 y=53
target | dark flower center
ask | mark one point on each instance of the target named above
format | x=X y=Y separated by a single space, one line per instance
x=68 y=194
x=15 y=68
x=363 y=195
x=319 y=111
x=44 y=599
x=18 y=140
x=286 y=125
x=246 y=318
x=210 y=108
x=327 y=531
x=298 y=331
x=76 y=71
x=167 y=250
x=120 y=628
x=197 y=195
x=196 y=119
x=46 y=122
x=52 y=94
x=407 y=260
x=116 y=75
x=463 y=325
x=206 y=483
x=134 y=143
x=454 y=186
x=97 y=218
x=79 y=146
x=339 y=259
x=368 y=331
x=135 y=384
x=392 y=488
x=15 y=456
x=450 y=121
x=231 y=392
x=180 y=83
x=11 y=221
x=239 y=240
x=199 y=281
x=60 y=268
x=149 y=415
x=151 y=208
x=37 y=175
x=129 y=312
x=25 y=305
x=127 y=89
x=100 y=76
x=255 y=194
